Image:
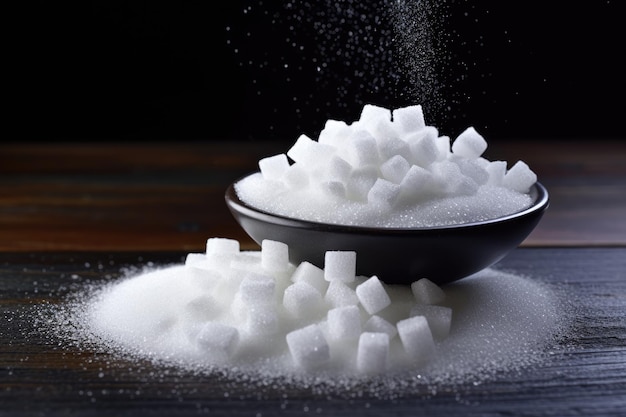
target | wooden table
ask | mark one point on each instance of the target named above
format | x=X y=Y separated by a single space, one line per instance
x=78 y=213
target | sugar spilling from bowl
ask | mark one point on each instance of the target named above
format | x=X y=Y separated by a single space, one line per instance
x=255 y=311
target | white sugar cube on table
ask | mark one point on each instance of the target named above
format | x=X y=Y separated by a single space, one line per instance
x=340 y=294
x=340 y=266
x=274 y=255
x=302 y=301
x=308 y=346
x=372 y=295
x=344 y=322
x=427 y=292
x=439 y=318
x=373 y=353
x=416 y=338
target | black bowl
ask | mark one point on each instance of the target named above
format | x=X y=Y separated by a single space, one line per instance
x=397 y=256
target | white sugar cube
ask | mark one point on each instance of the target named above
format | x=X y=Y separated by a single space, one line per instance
x=496 y=171
x=372 y=112
x=362 y=149
x=360 y=183
x=219 y=339
x=372 y=295
x=308 y=152
x=417 y=185
x=220 y=245
x=339 y=294
x=377 y=324
x=312 y=275
x=443 y=145
x=274 y=167
x=469 y=144
x=439 y=318
x=262 y=320
x=416 y=338
x=302 y=300
x=337 y=169
x=193 y=258
x=340 y=266
x=334 y=133
x=296 y=177
x=372 y=353
x=257 y=289
x=383 y=192
x=344 y=322
x=409 y=119
x=274 y=255
x=472 y=168
x=308 y=346
x=333 y=189
x=519 y=177
x=394 y=169
x=390 y=146
x=423 y=148
x=427 y=292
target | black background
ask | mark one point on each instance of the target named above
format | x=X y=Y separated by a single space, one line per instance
x=188 y=70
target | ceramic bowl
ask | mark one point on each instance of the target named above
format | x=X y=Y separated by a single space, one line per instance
x=397 y=255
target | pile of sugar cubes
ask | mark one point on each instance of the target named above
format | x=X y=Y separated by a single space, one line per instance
x=388 y=169
x=236 y=308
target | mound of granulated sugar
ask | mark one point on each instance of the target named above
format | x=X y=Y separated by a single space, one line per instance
x=388 y=169
x=255 y=312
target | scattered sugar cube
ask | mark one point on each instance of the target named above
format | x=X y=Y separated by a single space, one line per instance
x=439 y=318
x=274 y=167
x=308 y=346
x=362 y=149
x=391 y=146
x=262 y=320
x=469 y=144
x=416 y=338
x=496 y=171
x=220 y=245
x=301 y=300
x=274 y=255
x=257 y=289
x=339 y=294
x=312 y=275
x=344 y=322
x=519 y=177
x=372 y=353
x=340 y=266
x=427 y=292
x=372 y=295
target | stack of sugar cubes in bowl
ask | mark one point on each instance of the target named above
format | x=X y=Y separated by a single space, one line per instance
x=416 y=209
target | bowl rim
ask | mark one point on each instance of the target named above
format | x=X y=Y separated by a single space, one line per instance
x=541 y=202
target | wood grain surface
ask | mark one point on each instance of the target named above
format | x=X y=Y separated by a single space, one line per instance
x=42 y=375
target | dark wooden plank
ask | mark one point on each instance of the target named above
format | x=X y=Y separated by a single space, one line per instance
x=40 y=376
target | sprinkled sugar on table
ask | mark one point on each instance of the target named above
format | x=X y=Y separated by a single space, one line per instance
x=74 y=216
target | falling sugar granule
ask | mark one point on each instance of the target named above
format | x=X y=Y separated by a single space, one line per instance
x=253 y=316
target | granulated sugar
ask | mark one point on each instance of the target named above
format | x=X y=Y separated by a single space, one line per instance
x=388 y=169
x=258 y=320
